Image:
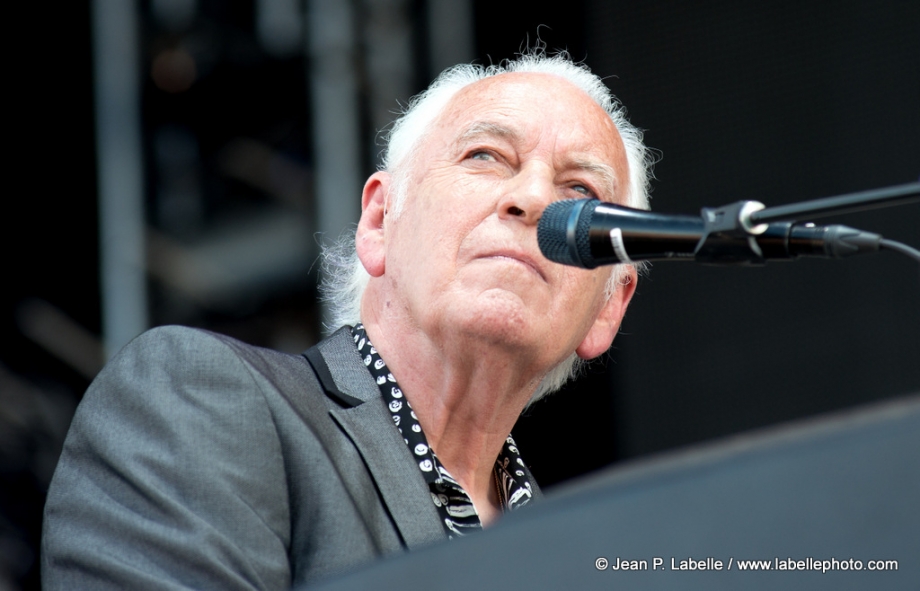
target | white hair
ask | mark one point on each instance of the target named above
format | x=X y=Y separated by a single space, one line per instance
x=344 y=277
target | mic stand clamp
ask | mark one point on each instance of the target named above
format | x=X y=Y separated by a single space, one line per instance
x=729 y=236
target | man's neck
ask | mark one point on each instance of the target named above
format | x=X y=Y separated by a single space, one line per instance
x=466 y=399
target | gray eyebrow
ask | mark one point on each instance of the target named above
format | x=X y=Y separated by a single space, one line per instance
x=605 y=172
x=485 y=128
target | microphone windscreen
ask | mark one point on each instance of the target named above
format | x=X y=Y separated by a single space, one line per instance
x=554 y=238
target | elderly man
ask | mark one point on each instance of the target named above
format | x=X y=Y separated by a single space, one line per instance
x=196 y=461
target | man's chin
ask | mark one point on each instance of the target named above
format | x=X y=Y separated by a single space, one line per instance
x=500 y=316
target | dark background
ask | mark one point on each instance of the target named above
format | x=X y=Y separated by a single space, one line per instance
x=775 y=102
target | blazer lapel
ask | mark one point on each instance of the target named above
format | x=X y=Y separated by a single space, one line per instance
x=399 y=480
x=369 y=425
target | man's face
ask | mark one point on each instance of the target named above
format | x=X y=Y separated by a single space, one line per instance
x=461 y=259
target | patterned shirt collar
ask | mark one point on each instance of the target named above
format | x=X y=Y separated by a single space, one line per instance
x=513 y=480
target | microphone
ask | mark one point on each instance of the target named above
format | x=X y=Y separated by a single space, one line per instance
x=588 y=233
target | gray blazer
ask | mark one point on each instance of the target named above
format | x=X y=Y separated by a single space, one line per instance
x=196 y=461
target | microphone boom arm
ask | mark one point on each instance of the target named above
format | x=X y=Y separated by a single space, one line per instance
x=863 y=200
x=736 y=233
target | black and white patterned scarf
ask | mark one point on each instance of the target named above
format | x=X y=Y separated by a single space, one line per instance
x=454 y=505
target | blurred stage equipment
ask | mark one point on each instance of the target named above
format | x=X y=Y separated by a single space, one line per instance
x=120 y=172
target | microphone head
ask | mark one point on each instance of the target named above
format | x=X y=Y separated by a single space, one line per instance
x=563 y=232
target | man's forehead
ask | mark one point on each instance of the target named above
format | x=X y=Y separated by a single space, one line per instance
x=501 y=104
x=489 y=109
x=488 y=95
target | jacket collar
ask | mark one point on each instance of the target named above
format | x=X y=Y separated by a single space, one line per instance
x=341 y=371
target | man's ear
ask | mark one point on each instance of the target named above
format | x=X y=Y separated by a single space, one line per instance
x=605 y=327
x=370 y=240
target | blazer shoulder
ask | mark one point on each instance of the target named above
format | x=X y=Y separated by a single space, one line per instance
x=196 y=350
x=189 y=463
x=177 y=339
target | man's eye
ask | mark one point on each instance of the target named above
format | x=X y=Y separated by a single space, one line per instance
x=583 y=190
x=480 y=155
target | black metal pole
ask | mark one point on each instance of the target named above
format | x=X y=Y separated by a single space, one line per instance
x=876 y=198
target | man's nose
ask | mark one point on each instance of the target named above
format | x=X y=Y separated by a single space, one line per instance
x=529 y=192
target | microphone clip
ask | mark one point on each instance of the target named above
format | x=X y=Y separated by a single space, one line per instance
x=729 y=236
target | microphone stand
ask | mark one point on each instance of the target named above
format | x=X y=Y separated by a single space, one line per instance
x=730 y=233
x=872 y=199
